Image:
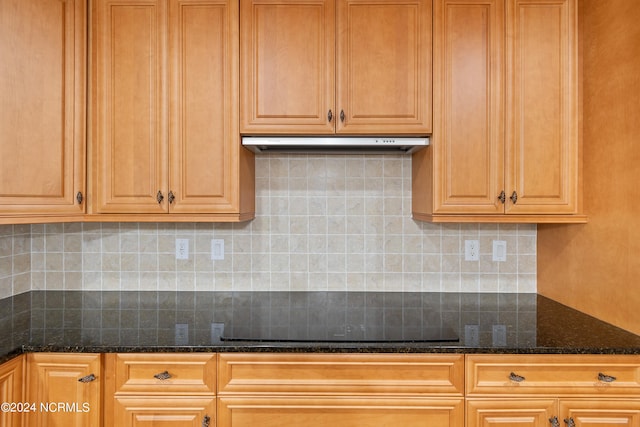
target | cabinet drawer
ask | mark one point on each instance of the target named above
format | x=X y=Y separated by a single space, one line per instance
x=552 y=374
x=165 y=373
x=340 y=374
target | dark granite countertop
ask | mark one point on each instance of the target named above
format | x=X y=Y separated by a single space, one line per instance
x=130 y=321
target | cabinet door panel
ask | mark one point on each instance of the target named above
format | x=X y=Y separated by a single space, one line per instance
x=204 y=138
x=542 y=106
x=53 y=378
x=518 y=413
x=175 y=411
x=288 y=66
x=602 y=413
x=384 y=66
x=12 y=390
x=468 y=138
x=130 y=137
x=42 y=119
x=340 y=412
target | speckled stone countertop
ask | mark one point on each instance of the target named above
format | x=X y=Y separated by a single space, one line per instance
x=129 y=321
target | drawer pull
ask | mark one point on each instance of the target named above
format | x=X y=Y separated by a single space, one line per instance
x=606 y=378
x=205 y=421
x=570 y=422
x=163 y=375
x=515 y=377
x=89 y=378
x=554 y=421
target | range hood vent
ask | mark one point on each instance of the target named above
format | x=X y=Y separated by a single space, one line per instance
x=334 y=145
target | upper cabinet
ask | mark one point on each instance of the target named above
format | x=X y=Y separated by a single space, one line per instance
x=343 y=66
x=42 y=107
x=165 y=135
x=505 y=142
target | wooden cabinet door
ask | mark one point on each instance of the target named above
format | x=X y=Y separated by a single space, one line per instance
x=204 y=137
x=129 y=147
x=42 y=106
x=542 y=99
x=384 y=66
x=12 y=391
x=511 y=412
x=601 y=413
x=54 y=379
x=340 y=412
x=288 y=66
x=468 y=137
x=174 y=411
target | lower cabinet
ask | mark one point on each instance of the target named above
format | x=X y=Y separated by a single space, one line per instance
x=340 y=390
x=168 y=390
x=65 y=389
x=552 y=390
x=12 y=392
x=552 y=412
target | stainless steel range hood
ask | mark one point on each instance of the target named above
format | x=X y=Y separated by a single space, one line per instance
x=334 y=145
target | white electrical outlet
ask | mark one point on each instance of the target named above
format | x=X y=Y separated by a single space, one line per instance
x=472 y=335
x=471 y=250
x=182 y=248
x=499 y=250
x=499 y=334
x=217 y=249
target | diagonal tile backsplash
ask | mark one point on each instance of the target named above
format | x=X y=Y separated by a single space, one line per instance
x=330 y=223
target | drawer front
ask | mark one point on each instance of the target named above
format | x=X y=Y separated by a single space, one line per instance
x=163 y=373
x=552 y=374
x=340 y=374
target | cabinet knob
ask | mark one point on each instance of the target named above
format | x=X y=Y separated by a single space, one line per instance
x=515 y=377
x=87 y=379
x=606 y=378
x=206 y=420
x=163 y=375
x=172 y=197
x=502 y=197
x=159 y=197
x=342 y=115
x=79 y=197
x=569 y=422
x=329 y=116
x=514 y=197
x=554 y=421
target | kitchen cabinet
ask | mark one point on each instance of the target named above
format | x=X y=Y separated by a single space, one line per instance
x=505 y=144
x=344 y=66
x=340 y=390
x=69 y=385
x=12 y=391
x=42 y=124
x=165 y=136
x=168 y=389
x=544 y=390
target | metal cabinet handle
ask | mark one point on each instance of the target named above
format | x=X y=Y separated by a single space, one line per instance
x=206 y=420
x=79 y=197
x=515 y=377
x=514 y=197
x=554 y=421
x=172 y=197
x=87 y=379
x=342 y=115
x=163 y=375
x=502 y=197
x=569 y=422
x=606 y=378
x=329 y=116
x=159 y=197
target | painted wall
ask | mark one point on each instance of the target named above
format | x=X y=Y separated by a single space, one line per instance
x=596 y=267
x=322 y=223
